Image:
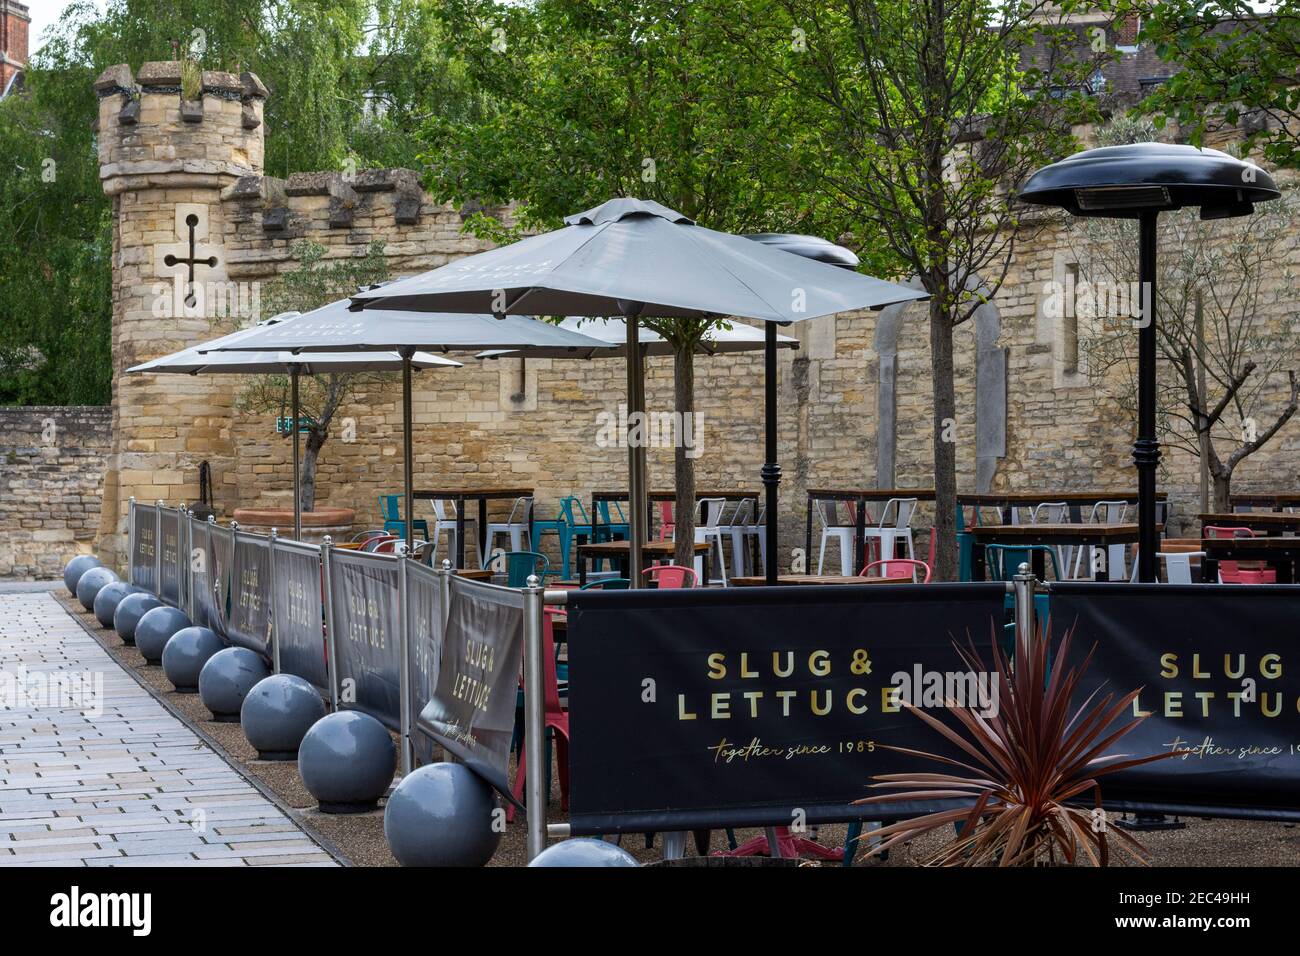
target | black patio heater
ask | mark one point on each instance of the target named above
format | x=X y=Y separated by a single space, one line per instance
x=1140 y=181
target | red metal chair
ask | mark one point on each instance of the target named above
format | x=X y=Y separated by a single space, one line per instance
x=1231 y=572
x=557 y=720
x=899 y=568
x=374 y=543
x=671 y=576
x=667 y=527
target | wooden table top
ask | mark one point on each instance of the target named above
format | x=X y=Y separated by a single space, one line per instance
x=669 y=495
x=1267 y=499
x=1255 y=520
x=871 y=494
x=801 y=579
x=1242 y=545
x=488 y=492
x=657 y=549
x=1082 y=533
x=1038 y=497
x=474 y=574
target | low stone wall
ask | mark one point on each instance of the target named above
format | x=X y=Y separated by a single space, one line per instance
x=52 y=463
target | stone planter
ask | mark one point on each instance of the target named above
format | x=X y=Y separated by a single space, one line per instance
x=335 y=522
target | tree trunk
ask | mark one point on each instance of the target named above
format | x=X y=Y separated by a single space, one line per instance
x=1222 y=491
x=315 y=441
x=945 y=446
x=683 y=466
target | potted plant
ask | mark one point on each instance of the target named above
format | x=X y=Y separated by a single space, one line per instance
x=1023 y=770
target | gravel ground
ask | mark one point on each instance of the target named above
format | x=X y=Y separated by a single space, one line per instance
x=359 y=838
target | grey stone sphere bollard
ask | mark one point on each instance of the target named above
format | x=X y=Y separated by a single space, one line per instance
x=129 y=611
x=156 y=629
x=584 y=851
x=107 y=600
x=184 y=655
x=90 y=583
x=75 y=568
x=442 y=814
x=277 y=713
x=226 y=679
x=347 y=761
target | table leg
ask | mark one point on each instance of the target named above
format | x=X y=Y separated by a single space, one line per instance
x=807 y=534
x=582 y=568
x=458 y=559
x=482 y=528
x=977 y=568
x=1285 y=571
x=1209 y=570
x=1038 y=563
x=860 y=537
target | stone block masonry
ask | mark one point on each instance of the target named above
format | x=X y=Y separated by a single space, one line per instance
x=51 y=483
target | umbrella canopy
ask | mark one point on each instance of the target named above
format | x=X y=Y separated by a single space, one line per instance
x=627 y=253
x=632 y=257
x=738 y=338
x=336 y=328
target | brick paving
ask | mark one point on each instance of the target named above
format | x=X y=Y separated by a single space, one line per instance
x=97 y=772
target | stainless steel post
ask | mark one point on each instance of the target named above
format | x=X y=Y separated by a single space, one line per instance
x=404 y=710
x=157 y=550
x=330 y=642
x=270 y=603
x=408 y=501
x=534 y=717
x=1023 y=584
x=636 y=453
x=444 y=593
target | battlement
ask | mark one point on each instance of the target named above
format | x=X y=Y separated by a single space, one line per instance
x=149 y=132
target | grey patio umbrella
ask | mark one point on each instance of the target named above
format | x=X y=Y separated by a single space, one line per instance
x=634 y=258
x=613 y=330
x=333 y=328
x=198 y=360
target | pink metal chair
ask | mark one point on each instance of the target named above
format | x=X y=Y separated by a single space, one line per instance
x=1231 y=572
x=899 y=568
x=557 y=720
x=373 y=544
x=671 y=576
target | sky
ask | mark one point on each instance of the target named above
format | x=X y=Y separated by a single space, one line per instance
x=44 y=14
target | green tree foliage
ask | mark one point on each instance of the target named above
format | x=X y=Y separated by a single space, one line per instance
x=1237 y=62
x=350 y=81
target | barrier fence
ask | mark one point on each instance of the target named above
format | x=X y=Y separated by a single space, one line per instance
x=705 y=708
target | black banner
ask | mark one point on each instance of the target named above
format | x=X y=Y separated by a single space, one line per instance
x=757 y=706
x=200 y=579
x=142 y=547
x=298 y=607
x=1220 y=677
x=425 y=611
x=170 y=590
x=472 y=710
x=364 y=591
x=250 y=612
x=220 y=560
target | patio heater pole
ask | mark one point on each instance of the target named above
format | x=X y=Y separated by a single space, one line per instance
x=635 y=448
x=1146 y=449
x=297 y=478
x=771 y=470
x=407 y=469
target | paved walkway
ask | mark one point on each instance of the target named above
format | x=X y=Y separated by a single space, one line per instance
x=95 y=771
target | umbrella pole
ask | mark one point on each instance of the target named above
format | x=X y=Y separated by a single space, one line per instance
x=1146 y=449
x=635 y=450
x=407 y=469
x=771 y=470
x=297 y=476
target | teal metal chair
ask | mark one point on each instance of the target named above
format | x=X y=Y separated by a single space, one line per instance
x=391 y=510
x=608 y=584
x=576 y=523
x=607 y=529
x=521 y=565
x=557 y=526
x=965 y=546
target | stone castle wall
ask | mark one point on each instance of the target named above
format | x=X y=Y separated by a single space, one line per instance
x=51 y=474
x=165 y=160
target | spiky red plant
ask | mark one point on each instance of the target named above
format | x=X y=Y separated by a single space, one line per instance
x=1024 y=763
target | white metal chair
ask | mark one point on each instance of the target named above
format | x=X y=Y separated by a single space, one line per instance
x=832 y=530
x=757 y=529
x=1054 y=512
x=1177 y=567
x=1104 y=512
x=737 y=528
x=712 y=531
x=444 y=513
x=900 y=530
x=516 y=526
